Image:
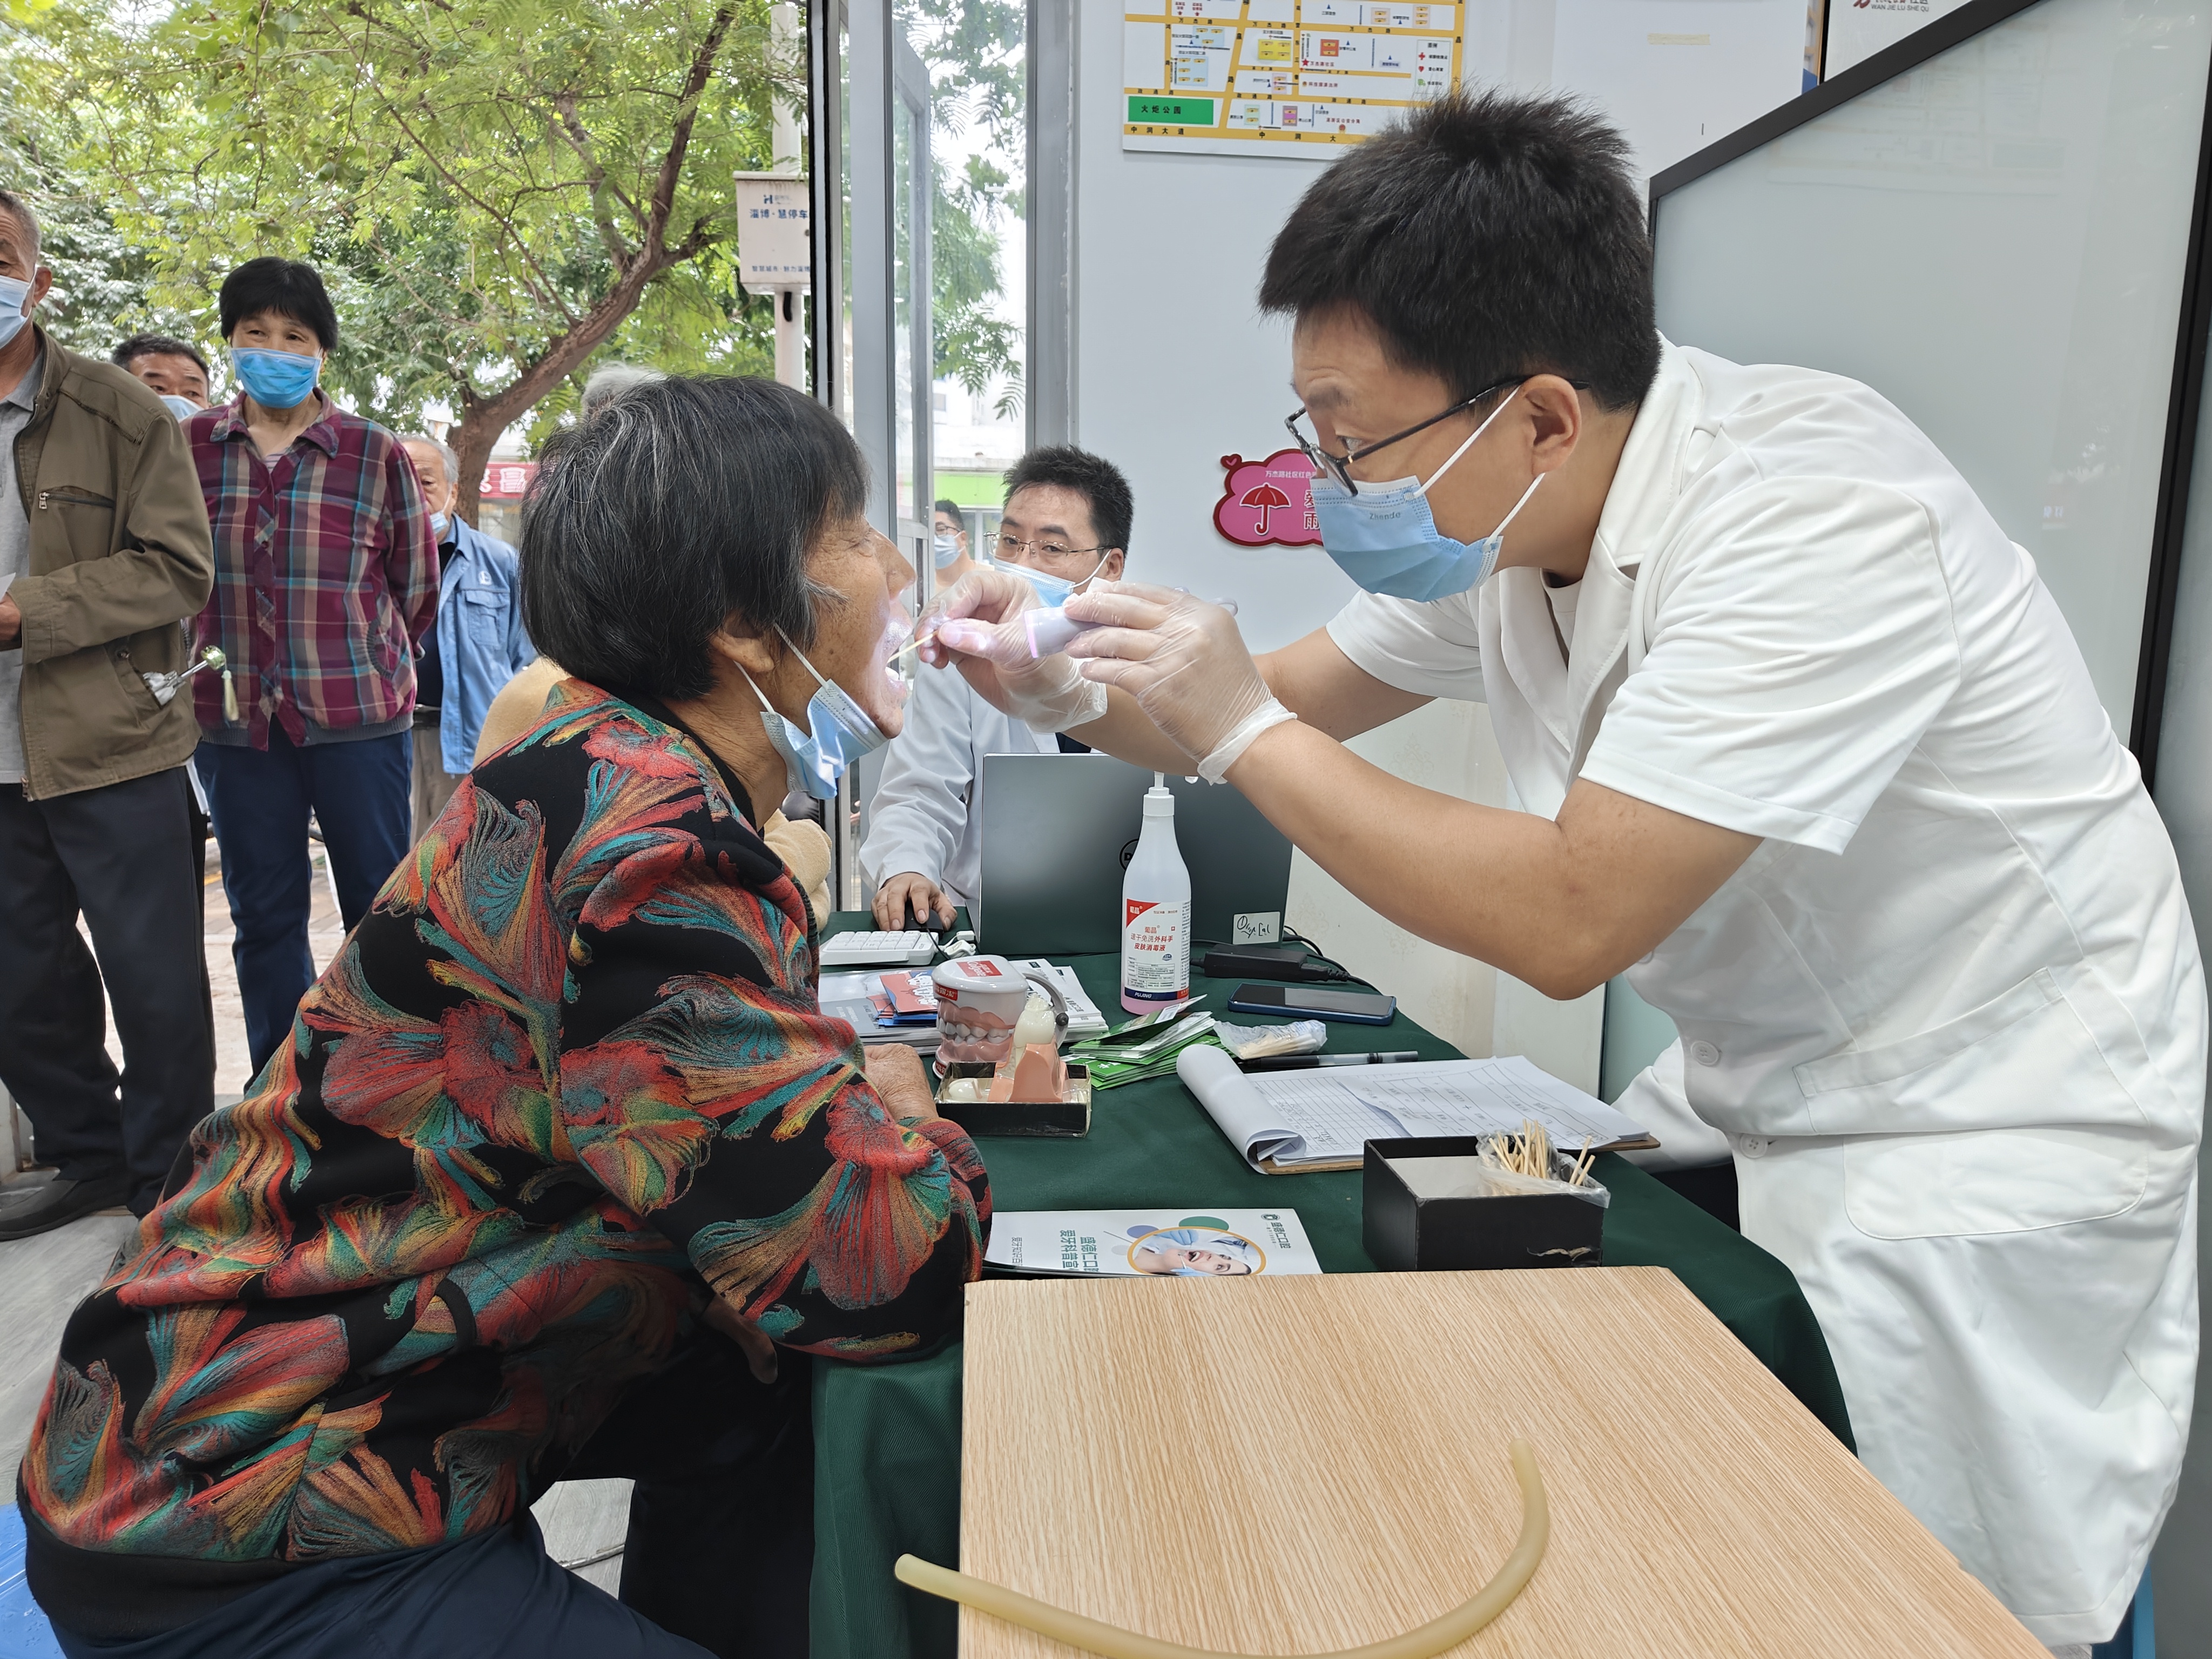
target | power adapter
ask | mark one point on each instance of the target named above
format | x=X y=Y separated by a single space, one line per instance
x=1285 y=961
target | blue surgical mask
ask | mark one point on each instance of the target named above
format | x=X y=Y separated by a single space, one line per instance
x=1386 y=539
x=842 y=733
x=1054 y=591
x=274 y=379
x=438 y=526
x=183 y=407
x=15 y=299
x=943 y=550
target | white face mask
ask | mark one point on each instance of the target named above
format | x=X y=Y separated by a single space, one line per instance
x=943 y=550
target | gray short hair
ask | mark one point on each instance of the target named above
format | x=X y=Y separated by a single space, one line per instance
x=25 y=221
x=610 y=380
x=445 y=451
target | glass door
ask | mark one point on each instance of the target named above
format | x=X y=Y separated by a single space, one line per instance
x=882 y=267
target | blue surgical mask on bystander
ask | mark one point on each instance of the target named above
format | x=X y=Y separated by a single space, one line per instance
x=274 y=379
x=14 y=307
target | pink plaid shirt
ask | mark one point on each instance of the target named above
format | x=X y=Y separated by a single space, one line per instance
x=326 y=575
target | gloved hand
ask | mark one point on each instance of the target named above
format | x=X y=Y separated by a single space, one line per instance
x=979 y=631
x=1184 y=662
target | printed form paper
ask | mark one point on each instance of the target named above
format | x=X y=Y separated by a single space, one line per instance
x=1327 y=1115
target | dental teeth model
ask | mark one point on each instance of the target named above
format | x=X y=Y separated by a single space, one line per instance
x=981 y=1001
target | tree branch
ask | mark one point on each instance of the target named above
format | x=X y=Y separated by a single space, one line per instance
x=595 y=177
x=679 y=141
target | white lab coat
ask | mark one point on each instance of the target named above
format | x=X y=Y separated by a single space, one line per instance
x=1949 y=1016
x=923 y=817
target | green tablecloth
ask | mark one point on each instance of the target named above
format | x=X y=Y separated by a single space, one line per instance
x=887 y=1438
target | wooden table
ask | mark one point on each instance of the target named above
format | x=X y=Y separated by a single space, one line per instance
x=887 y=1438
x=1277 y=1466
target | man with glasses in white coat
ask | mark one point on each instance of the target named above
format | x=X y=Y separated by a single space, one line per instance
x=1808 y=752
x=1066 y=523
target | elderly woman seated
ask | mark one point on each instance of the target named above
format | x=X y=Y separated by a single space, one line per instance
x=562 y=1155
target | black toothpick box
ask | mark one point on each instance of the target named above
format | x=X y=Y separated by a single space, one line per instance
x=1407 y=1231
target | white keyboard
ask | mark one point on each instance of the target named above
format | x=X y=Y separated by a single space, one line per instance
x=856 y=950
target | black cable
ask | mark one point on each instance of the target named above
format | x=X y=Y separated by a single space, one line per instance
x=1338 y=973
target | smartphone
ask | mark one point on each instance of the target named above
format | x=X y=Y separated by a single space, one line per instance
x=1313 y=1002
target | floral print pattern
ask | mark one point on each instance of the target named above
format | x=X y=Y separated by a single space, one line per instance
x=567 y=1077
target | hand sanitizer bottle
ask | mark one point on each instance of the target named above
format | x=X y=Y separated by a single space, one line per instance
x=1155 y=912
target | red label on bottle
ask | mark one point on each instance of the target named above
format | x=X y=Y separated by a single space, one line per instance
x=1132 y=908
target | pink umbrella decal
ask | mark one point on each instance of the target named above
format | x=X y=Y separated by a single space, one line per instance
x=1266 y=498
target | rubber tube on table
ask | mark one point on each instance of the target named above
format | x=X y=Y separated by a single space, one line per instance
x=1114 y=1643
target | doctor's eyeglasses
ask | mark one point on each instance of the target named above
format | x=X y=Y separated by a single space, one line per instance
x=1339 y=467
x=1015 y=550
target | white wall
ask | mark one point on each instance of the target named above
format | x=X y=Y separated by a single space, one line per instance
x=1672 y=75
x=1447 y=746
x=1174 y=366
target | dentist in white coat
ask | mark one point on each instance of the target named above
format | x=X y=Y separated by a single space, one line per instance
x=1807 y=751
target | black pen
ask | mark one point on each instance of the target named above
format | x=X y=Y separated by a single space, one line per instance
x=1309 y=1062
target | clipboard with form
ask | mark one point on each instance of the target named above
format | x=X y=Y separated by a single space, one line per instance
x=1296 y=1122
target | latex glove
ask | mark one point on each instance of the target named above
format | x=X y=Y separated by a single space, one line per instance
x=978 y=629
x=1184 y=662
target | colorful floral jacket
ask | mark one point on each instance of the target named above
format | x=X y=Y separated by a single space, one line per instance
x=569 y=1073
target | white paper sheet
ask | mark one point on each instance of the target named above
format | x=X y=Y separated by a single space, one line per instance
x=1328 y=1114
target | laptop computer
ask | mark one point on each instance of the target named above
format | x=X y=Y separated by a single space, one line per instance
x=1059 y=829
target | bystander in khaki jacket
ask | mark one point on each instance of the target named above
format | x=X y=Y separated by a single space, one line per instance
x=120 y=554
x=804 y=846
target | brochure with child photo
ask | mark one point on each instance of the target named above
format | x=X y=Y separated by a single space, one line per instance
x=1149 y=1244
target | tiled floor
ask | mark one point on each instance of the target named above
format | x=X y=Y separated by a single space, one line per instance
x=42 y=1279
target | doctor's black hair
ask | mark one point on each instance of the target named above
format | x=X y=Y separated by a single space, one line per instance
x=639 y=539
x=1097 y=479
x=290 y=287
x=1491 y=235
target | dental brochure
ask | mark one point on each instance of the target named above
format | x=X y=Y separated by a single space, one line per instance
x=1296 y=1122
x=1149 y=1244
x=896 y=1005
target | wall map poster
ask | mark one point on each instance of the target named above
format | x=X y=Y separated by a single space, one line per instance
x=1234 y=77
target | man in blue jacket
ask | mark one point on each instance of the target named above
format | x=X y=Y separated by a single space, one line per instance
x=477 y=644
